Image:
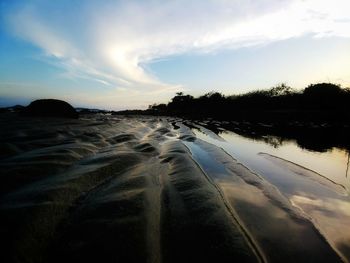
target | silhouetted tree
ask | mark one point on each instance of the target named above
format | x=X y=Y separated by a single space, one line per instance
x=323 y=90
x=322 y=101
x=325 y=96
x=281 y=90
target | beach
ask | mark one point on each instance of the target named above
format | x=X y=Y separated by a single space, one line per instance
x=106 y=188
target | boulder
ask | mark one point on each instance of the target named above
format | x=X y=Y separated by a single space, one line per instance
x=50 y=108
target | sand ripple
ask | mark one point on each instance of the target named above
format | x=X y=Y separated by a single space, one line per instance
x=111 y=189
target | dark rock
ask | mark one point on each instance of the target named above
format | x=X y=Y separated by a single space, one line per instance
x=50 y=108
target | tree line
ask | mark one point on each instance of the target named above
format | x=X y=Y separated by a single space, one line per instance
x=317 y=102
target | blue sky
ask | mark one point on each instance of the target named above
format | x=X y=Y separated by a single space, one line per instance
x=129 y=54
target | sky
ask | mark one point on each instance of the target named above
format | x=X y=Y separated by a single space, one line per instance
x=112 y=54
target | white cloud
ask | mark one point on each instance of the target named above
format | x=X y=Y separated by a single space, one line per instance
x=109 y=41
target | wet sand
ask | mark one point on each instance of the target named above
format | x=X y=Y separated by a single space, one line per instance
x=140 y=189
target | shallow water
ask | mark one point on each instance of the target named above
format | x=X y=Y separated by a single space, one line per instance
x=314 y=182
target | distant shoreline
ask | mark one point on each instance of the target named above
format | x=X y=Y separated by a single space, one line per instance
x=323 y=103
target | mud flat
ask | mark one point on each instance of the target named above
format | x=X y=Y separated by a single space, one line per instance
x=139 y=189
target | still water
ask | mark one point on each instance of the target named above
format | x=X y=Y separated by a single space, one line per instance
x=317 y=183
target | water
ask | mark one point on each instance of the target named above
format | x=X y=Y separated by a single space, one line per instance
x=332 y=164
x=314 y=182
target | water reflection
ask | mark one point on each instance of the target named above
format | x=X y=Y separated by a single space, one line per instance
x=324 y=158
x=267 y=220
x=347 y=165
x=316 y=182
x=319 y=138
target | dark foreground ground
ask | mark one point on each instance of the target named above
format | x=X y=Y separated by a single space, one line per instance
x=115 y=189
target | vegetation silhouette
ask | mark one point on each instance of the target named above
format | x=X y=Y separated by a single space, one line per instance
x=317 y=117
x=322 y=102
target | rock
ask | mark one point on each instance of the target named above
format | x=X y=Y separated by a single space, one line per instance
x=50 y=108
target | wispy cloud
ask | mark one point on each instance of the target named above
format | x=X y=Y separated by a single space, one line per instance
x=111 y=41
